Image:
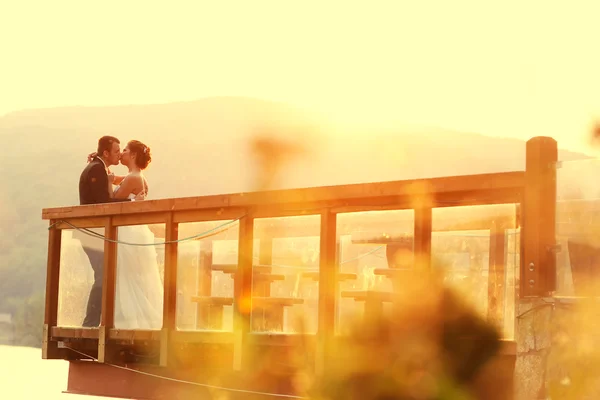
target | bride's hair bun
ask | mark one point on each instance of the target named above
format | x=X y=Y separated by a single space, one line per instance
x=142 y=153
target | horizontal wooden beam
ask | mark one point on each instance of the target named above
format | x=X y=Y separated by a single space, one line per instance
x=208 y=215
x=134 y=335
x=74 y=333
x=472 y=219
x=281 y=339
x=209 y=337
x=114 y=334
x=487 y=187
x=70 y=223
x=118 y=220
x=213 y=337
x=140 y=219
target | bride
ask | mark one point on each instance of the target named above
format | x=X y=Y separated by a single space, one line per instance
x=139 y=288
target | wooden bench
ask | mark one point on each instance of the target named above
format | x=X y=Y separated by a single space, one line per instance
x=268 y=312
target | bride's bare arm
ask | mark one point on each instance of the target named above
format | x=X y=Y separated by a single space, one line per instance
x=127 y=187
x=130 y=185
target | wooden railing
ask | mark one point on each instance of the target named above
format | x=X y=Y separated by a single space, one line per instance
x=531 y=189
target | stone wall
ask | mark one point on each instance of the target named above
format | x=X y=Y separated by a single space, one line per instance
x=556 y=358
x=533 y=344
x=558 y=352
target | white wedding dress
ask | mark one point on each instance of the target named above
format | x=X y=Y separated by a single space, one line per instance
x=139 y=291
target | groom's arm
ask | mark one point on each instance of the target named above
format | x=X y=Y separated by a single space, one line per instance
x=99 y=185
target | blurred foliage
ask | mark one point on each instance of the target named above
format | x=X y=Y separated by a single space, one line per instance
x=432 y=346
x=28 y=319
x=573 y=357
x=433 y=349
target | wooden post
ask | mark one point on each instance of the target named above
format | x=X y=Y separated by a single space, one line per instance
x=328 y=270
x=538 y=261
x=422 y=243
x=107 y=320
x=50 y=349
x=243 y=291
x=170 y=289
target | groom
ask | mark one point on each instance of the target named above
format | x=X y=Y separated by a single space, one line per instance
x=94 y=189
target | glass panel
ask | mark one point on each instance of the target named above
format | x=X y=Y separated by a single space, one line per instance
x=465 y=259
x=513 y=265
x=373 y=248
x=577 y=225
x=140 y=277
x=81 y=260
x=578 y=180
x=285 y=275
x=477 y=250
x=206 y=268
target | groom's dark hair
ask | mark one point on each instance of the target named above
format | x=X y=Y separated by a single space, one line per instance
x=105 y=144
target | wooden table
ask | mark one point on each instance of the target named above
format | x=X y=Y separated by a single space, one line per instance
x=314 y=275
x=267 y=312
x=231 y=269
x=393 y=245
x=212 y=316
x=394 y=273
x=373 y=301
x=261 y=277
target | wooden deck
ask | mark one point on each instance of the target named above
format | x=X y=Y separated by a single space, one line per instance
x=529 y=190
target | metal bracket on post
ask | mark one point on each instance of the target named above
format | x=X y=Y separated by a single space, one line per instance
x=556 y=248
x=102 y=339
x=45 y=342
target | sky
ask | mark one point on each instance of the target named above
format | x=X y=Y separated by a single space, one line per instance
x=510 y=68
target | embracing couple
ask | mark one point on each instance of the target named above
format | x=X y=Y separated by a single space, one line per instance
x=139 y=288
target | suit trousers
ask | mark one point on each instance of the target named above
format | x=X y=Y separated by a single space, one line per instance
x=94 y=305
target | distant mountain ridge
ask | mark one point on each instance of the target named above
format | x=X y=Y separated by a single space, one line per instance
x=190 y=139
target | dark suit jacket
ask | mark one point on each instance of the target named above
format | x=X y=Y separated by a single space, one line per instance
x=93 y=184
